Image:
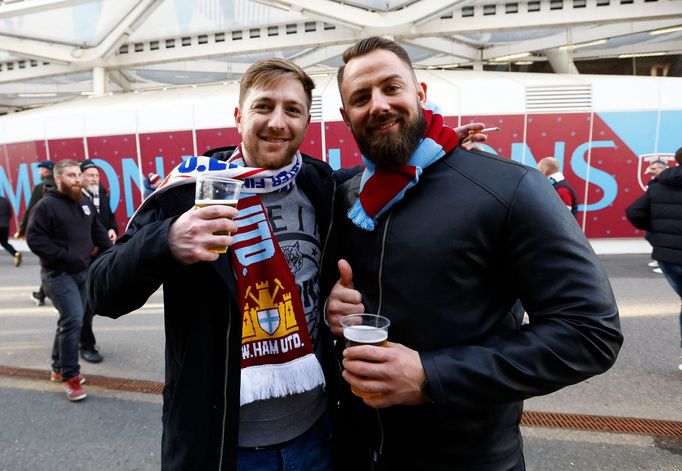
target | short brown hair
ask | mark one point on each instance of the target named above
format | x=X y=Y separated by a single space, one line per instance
x=678 y=156
x=62 y=164
x=269 y=70
x=367 y=45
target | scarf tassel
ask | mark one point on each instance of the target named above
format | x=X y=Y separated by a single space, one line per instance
x=268 y=381
x=359 y=217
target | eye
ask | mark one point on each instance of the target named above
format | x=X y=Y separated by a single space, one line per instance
x=261 y=106
x=294 y=110
x=393 y=88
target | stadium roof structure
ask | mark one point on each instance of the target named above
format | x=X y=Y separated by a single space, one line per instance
x=56 y=50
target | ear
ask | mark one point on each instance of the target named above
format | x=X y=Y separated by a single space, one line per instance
x=421 y=93
x=238 y=118
x=344 y=115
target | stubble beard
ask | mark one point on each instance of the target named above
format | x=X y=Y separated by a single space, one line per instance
x=395 y=148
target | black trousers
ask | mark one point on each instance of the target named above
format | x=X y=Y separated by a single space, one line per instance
x=4 y=236
x=87 y=335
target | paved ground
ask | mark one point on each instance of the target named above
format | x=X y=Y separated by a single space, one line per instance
x=114 y=430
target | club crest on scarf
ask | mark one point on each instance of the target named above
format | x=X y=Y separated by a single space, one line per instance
x=277 y=353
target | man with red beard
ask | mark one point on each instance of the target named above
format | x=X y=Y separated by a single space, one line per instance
x=63 y=230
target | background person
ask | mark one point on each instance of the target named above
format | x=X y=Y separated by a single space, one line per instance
x=62 y=231
x=549 y=166
x=445 y=257
x=659 y=213
x=94 y=190
x=46 y=182
x=654 y=168
x=5 y=216
x=151 y=183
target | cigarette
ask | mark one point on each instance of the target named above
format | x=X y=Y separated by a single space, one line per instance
x=484 y=130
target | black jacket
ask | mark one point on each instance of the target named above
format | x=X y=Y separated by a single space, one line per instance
x=37 y=193
x=5 y=212
x=63 y=232
x=202 y=322
x=659 y=211
x=447 y=265
x=106 y=215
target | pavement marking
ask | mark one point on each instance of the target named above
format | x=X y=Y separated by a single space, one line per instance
x=553 y=420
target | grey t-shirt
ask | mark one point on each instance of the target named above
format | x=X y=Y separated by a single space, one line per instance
x=294 y=224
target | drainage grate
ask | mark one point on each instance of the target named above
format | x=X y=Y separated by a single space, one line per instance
x=592 y=423
x=108 y=382
x=600 y=423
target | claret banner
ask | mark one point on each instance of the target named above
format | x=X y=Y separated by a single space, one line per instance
x=603 y=156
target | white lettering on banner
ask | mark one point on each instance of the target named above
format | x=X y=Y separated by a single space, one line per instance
x=256 y=251
x=245 y=352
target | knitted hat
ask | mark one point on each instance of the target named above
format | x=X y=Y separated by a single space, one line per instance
x=153 y=178
x=86 y=164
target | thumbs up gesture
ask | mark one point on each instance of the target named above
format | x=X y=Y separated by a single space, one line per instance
x=344 y=299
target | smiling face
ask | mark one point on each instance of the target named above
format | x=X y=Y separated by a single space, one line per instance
x=272 y=121
x=382 y=105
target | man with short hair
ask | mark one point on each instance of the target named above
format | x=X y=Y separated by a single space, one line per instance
x=549 y=166
x=659 y=213
x=444 y=241
x=94 y=190
x=654 y=168
x=244 y=345
x=46 y=182
x=62 y=231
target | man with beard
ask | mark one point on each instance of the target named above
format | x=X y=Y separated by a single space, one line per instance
x=97 y=193
x=444 y=242
x=62 y=231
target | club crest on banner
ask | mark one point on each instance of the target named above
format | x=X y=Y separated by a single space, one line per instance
x=643 y=163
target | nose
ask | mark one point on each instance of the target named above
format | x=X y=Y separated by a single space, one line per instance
x=378 y=103
x=277 y=118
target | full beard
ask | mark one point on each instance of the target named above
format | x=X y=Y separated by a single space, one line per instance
x=392 y=149
x=74 y=192
x=93 y=190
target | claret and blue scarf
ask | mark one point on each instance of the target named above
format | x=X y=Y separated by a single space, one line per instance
x=277 y=353
x=382 y=187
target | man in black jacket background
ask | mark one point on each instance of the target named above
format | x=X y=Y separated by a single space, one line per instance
x=45 y=171
x=444 y=242
x=63 y=230
x=659 y=212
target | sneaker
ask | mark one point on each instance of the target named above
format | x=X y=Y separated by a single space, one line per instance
x=653 y=264
x=17 y=259
x=91 y=356
x=56 y=377
x=35 y=297
x=74 y=389
x=657 y=270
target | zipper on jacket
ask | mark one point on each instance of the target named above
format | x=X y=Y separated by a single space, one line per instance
x=379 y=452
x=381 y=262
x=329 y=231
x=227 y=363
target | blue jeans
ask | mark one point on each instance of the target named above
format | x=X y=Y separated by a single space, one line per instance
x=308 y=452
x=67 y=292
x=673 y=273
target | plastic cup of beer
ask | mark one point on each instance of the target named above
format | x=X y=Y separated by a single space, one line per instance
x=214 y=189
x=365 y=329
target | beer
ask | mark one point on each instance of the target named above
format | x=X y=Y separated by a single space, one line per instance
x=363 y=334
x=208 y=202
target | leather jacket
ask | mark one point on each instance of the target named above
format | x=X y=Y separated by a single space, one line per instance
x=448 y=265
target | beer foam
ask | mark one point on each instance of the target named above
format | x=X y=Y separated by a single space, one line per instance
x=207 y=202
x=365 y=334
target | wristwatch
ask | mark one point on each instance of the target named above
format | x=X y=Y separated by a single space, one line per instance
x=426 y=391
